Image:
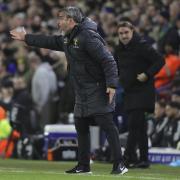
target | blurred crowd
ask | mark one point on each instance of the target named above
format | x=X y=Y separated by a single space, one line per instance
x=34 y=85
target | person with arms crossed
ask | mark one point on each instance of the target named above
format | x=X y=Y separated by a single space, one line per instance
x=94 y=74
x=137 y=63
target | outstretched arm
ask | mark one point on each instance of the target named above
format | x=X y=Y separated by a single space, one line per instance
x=41 y=41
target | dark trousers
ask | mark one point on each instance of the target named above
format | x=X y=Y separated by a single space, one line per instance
x=105 y=121
x=137 y=127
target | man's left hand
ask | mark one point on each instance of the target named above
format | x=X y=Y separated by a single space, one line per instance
x=142 y=77
x=111 y=92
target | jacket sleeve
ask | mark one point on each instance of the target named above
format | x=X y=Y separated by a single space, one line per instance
x=153 y=58
x=99 y=52
x=42 y=41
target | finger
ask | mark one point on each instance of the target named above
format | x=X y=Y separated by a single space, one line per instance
x=13 y=31
x=111 y=95
x=14 y=37
x=110 y=98
x=13 y=34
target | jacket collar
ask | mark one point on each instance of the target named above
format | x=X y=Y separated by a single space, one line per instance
x=86 y=23
x=72 y=33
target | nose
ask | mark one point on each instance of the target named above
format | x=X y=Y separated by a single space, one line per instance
x=59 y=24
x=123 y=35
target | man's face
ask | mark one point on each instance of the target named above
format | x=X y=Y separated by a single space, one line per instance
x=125 y=34
x=64 y=22
x=159 y=111
x=170 y=111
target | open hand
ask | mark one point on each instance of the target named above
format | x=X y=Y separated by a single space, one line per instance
x=142 y=77
x=18 y=34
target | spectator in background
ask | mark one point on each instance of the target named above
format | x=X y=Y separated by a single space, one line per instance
x=17 y=101
x=145 y=34
x=174 y=11
x=95 y=17
x=11 y=64
x=167 y=73
x=173 y=36
x=5 y=132
x=7 y=92
x=5 y=128
x=67 y=100
x=160 y=123
x=164 y=26
x=175 y=97
x=172 y=129
x=137 y=62
x=44 y=89
x=4 y=75
x=22 y=109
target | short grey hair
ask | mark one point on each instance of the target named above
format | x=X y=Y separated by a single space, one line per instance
x=73 y=12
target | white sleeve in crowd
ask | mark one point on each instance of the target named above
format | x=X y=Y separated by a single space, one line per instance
x=177 y=133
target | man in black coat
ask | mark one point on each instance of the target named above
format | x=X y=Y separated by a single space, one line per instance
x=94 y=74
x=137 y=64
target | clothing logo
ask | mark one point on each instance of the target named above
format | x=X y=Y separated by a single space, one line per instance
x=78 y=171
x=122 y=169
x=75 y=43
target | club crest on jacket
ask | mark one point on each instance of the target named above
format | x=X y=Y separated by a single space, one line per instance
x=75 y=43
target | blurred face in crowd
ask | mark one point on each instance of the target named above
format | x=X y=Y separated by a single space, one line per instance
x=151 y=10
x=159 y=110
x=171 y=111
x=65 y=23
x=175 y=98
x=19 y=83
x=168 y=49
x=174 y=9
x=161 y=20
x=178 y=24
x=6 y=93
x=125 y=34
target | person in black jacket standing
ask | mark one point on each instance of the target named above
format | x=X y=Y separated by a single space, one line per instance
x=94 y=74
x=137 y=63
